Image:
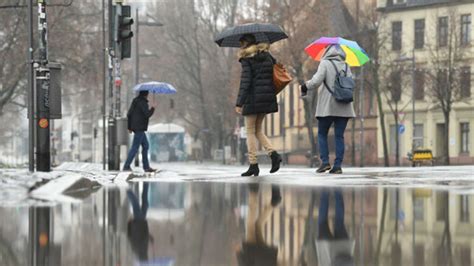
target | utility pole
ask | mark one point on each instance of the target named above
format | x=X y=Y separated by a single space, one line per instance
x=31 y=92
x=43 y=103
x=104 y=89
x=111 y=120
x=120 y=44
x=413 y=64
x=137 y=68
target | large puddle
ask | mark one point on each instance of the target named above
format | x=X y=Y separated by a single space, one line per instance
x=243 y=224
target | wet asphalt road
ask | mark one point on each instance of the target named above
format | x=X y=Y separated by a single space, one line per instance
x=186 y=219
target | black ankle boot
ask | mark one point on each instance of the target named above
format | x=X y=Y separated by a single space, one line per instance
x=276 y=160
x=253 y=170
x=323 y=168
x=276 y=196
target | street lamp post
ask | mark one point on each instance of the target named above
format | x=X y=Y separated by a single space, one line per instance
x=30 y=93
x=413 y=101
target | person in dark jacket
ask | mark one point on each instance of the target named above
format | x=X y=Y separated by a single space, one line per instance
x=138 y=116
x=256 y=98
x=137 y=228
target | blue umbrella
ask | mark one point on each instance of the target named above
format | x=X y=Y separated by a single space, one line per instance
x=156 y=87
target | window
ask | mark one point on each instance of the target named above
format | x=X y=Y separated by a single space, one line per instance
x=465 y=255
x=441 y=206
x=396 y=85
x=465 y=82
x=420 y=254
x=419 y=209
x=464 y=137
x=419 y=33
x=418 y=136
x=419 y=85
x=282 y=116
x=282 y=226
x=465 y=29
x=393 y=144
x=442 y=31
x=272 y=124
x=464 y=208
x=396 y=36
x=442 y=80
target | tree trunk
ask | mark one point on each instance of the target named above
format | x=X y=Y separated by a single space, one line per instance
x=397 y=137
x=446 y=137
x=381 y=117
x=381 y=226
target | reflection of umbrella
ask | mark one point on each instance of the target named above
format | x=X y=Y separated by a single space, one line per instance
x=268 y=33
x=156 y=87
x=355 y=55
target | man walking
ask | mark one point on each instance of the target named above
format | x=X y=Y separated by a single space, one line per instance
x=138 y=116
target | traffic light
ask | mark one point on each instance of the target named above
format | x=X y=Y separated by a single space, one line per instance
x=125 y=33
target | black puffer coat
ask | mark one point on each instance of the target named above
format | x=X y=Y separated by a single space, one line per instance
x=257 y=92
x=138 y=115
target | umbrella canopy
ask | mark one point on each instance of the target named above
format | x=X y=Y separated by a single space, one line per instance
x=355 y=55
x=156 y=87
x=263 y=32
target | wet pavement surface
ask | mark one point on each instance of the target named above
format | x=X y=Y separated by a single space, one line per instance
x=244 y=223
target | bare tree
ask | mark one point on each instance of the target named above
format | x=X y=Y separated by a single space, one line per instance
x=298 y=19
x=12 y=62
x=446 y=61
x=200 y=69
x=375 y=42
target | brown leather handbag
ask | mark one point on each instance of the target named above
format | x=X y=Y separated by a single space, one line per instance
x=281 y=77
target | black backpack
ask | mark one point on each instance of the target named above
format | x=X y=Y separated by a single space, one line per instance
x=343 y=86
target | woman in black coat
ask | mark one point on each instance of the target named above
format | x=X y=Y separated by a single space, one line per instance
x=256 y=98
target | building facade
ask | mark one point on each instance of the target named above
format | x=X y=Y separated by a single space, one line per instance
x=427 y=57
x=287 y=129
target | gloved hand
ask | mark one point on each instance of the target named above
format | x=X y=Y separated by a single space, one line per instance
x=304 y=89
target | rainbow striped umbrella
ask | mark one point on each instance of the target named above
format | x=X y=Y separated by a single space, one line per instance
x=355 y=55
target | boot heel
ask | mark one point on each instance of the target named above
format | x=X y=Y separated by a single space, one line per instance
x=252 y=171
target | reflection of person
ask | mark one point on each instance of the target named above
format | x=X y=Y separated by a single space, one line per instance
x=255 y=251
x=328 y=110
x=256 y=98
x=137 y=228
x=333 y=248
x=138 y=116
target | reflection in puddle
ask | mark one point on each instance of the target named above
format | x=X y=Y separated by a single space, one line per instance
x=242 y=224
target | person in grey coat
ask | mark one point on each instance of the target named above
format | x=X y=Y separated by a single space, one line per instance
x=328 y=110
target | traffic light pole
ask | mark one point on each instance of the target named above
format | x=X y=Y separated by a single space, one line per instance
x=111 y=118
x=31 y=92
x=118 y=81
x=43 y=84
x=137 y=66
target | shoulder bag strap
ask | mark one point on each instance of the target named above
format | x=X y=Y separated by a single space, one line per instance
x=325 y=84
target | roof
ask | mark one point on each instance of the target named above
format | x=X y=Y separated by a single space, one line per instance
x=165 y=128
x=341 y=22
x=414 y=4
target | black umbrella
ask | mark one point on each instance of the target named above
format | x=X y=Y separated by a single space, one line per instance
x=268 y=33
